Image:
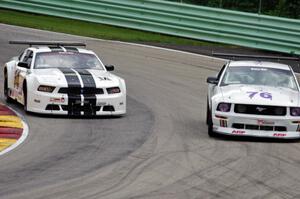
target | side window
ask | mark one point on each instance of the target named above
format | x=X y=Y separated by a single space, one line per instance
x=20 y=56
x=28 y=57
x=221 y=71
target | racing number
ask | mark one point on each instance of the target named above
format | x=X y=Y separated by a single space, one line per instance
x=17 y=78
x=20 y=73
x=264 y=95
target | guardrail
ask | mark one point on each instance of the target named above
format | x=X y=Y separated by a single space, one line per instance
x=196 y=22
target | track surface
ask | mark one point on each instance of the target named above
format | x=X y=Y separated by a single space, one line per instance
x=159 y=150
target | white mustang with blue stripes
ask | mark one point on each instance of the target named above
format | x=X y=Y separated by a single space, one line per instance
x=252 y=98
x=64 y=80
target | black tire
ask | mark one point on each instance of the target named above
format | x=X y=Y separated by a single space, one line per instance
x=25 y=96
x=209 y=123
x=207 y=114
x=6 y=97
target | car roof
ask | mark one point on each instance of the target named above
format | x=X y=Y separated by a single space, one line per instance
x=38 y=49
x=264 y=64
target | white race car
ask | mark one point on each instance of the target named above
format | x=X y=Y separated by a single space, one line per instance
x=253 y=98
x=59 y=78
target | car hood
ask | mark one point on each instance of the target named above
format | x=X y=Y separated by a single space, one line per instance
x=262 y=95
x=56 y=77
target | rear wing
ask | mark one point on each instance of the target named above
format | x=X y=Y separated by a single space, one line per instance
x=48 y=43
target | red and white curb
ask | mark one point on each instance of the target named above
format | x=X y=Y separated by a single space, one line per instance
x=13 y=130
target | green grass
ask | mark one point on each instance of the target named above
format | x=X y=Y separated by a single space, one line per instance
x=76 y=27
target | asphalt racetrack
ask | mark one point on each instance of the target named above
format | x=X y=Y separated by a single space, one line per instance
x=160 y=149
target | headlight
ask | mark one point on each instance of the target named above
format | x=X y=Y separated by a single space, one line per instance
x=113 y=90
x=224 y=107
x=48 y=89
x=295 y=111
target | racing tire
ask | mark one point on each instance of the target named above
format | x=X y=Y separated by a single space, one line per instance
x=209 y=122
x=210 y=131
x=25 y=96
x=6 y=96
x=207 y=114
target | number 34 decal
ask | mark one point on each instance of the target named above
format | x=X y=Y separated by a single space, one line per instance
x=264 y=95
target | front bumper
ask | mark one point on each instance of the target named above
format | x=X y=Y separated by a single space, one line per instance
x=256 y=125
x=62 y=104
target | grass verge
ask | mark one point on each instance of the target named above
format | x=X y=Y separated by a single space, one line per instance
x=76 y=27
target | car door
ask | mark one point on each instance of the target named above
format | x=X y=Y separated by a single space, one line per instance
x=20 y=74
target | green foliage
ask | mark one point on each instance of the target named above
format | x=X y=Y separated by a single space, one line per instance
x=281 y=8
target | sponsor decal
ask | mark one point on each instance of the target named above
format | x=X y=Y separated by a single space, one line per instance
x=259 y=69
x=104 y=79
x=279 y=134
x=57 y=100
x=264 y=95
x=262 y=122
x=37 y=101
x=238 y=132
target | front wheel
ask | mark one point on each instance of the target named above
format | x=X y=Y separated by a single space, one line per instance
x=25 y=97
x=6 y=96
x=209 y=122
x=210 y=131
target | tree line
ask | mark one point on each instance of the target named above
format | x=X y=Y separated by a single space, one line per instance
x=280 y=8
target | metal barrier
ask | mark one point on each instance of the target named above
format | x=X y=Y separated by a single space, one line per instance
x=196 y=22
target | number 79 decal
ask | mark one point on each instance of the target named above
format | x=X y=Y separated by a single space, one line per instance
x=264 y=95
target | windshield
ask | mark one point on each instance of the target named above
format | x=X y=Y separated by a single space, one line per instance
x=66 y=60
x=259 y=76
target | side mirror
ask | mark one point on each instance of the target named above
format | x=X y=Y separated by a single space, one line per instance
x=24 y=65
x=212 y=80
x=109 y=67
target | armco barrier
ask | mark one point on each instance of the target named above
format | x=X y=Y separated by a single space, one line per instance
x=196 y=22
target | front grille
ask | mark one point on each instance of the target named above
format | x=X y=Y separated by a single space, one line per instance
x=260 y=109
x=78 y=107
x=108 y=108
x=79 y=91
x=258 y=127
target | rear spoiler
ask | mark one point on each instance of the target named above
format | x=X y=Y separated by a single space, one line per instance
x=48 y=43
x=235 y=56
